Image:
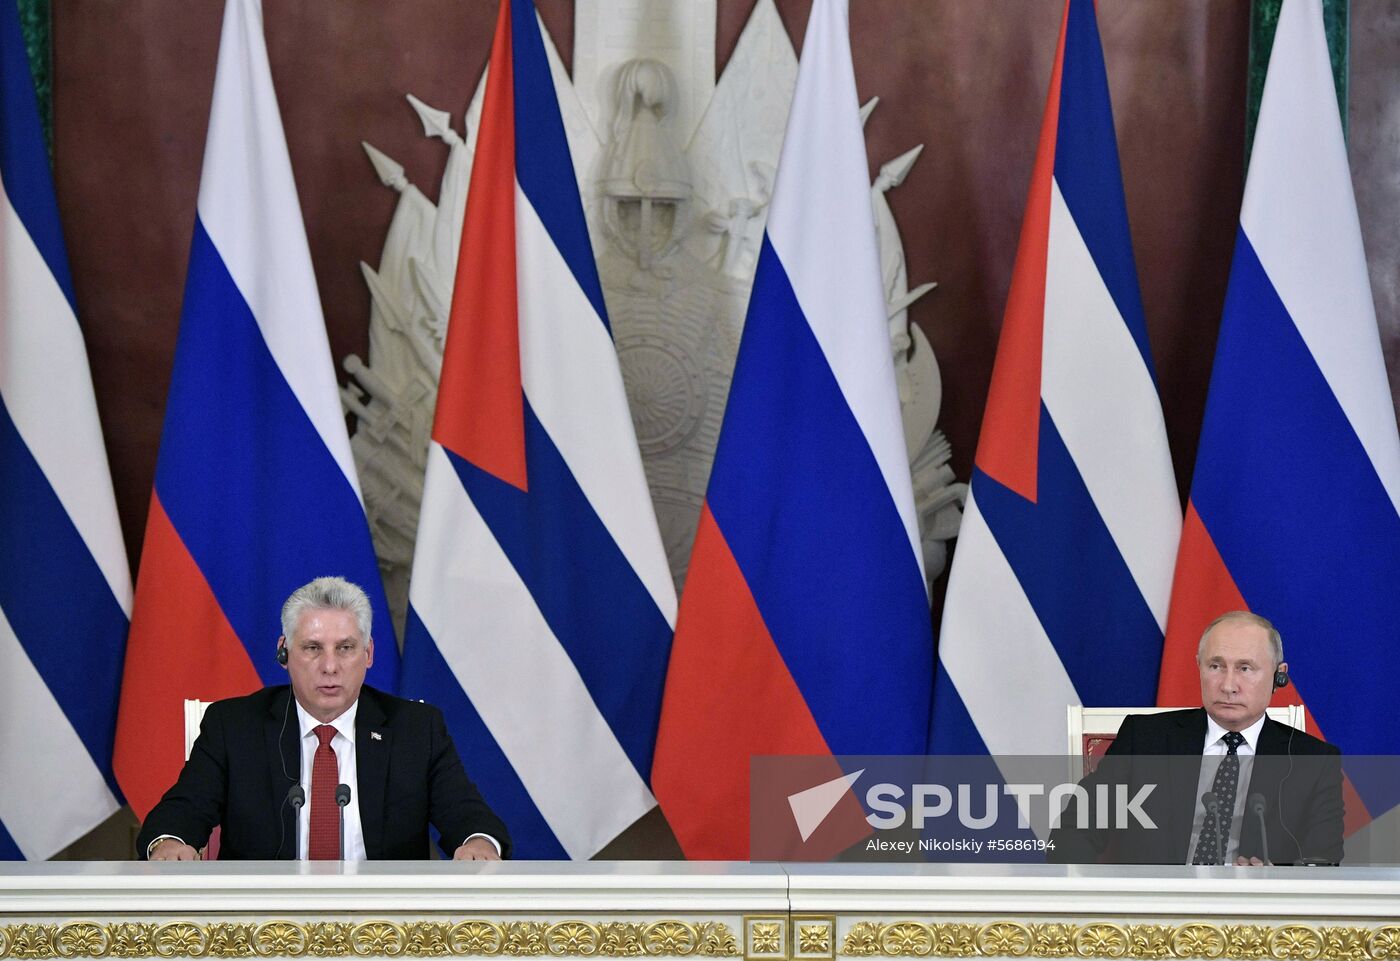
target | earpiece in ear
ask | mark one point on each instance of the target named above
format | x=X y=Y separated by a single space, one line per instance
x=282 y=654
x=1280 y=679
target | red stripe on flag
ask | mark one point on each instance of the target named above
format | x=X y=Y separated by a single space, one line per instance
x=723 y=665
x=1008 y=447
x=1202 y=590
x=181 y=646
x=480 y=408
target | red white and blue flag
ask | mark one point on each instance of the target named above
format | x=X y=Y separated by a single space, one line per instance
x=255 y=490
x=804 y=626
x=541 y=605
x=1060 y=582
x=1295 y=502
x=65 y=589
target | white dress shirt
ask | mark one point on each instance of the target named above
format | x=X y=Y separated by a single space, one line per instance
x=1213 y=750
x=343 y=744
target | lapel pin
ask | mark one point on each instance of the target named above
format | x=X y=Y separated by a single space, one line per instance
x=375 y=736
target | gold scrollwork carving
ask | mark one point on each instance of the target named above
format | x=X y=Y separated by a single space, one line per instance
x=1196 y=941
x=376 y=938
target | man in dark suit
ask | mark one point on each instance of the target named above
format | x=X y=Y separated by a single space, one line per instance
x=1229 y=785
x=259 y=759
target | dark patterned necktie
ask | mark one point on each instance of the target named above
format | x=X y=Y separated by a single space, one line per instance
x=1215 y=829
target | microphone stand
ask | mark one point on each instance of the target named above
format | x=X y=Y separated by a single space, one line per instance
x=342 y=798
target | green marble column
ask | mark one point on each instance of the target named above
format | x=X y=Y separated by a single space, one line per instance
x=38 y=39
x=1262 y=22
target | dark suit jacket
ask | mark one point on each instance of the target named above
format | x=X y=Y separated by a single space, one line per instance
x=1299 y=776
x=248 y=755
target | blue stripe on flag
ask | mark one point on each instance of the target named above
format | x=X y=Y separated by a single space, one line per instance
x=542 y=158
x=801 y=501
x=57 y=600
x=953 y=729
x=24 y=158
x=1086 y=170
x=1076 y=580
x=248 y=483
x=427 y=677
x=589 y=595
x=9 y=850
x=1297 y=511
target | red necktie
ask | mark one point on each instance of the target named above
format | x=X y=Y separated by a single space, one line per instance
x=324 y=841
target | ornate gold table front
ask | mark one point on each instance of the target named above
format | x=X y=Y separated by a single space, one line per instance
x=680 y=910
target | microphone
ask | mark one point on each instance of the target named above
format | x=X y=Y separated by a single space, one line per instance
x=1256 y=805
x=1212 y=806
x=296 y=797
x=342 y=798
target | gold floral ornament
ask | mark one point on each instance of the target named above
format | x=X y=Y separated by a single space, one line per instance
x=1296 y=942
x=231 y=940
x=1383 y=944
x=1149 y=941
x=670 y=937
x=957 y=939
x=1246 y=942
x=328 y=939
x=475 y=937
x=1003 y=938
x=716 y=940
x=573 y=938
x=77 y=939
x=1101 y=940
x=376 y=938
x=766 y=937
x=31 y=941
x=1344 y=944
x=427 y=939
x=621 y=939
x=525 y=938
x=279 y=938
x=1052 y=940
x=814 y=938
x=131 y=939
x=906 y=938
x=862 y=940
x=1198 y=941
x=181 y=939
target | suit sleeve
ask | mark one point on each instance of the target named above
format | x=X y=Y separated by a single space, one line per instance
x=1320 y=834
x=194 y=805
x=456 y=807
x=1073 y=844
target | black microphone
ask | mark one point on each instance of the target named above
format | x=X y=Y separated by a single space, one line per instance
x=1212 y=806
x=342 y=798
x=296 y=797
x=1256 y=805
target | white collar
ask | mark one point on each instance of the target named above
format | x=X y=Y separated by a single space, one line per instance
x=344 y=725
x=1215 y=732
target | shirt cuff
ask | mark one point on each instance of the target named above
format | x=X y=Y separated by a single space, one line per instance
x=150 y=848
x=494 y=843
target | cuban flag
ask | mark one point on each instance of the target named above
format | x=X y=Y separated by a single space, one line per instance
x=255 y=490
x=1295 y=502
x=541 y=605
x=804 y=626
x=65 y=589
x=1059 y=587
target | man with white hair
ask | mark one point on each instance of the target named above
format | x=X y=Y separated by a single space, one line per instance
x=298 y=771
x=1229 y=784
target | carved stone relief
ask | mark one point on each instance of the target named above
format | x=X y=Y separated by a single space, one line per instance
x=676 y=172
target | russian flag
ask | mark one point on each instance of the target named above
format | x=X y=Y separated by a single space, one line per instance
x=255 y=490
x=1295 y=502
x=804 y=627
x=541 y=607
x=1060 y=583
x=65 y=589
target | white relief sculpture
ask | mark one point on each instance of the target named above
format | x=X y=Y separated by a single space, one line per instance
x=676 y=192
